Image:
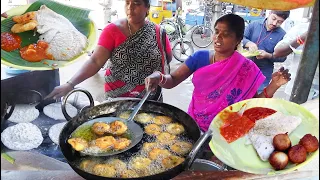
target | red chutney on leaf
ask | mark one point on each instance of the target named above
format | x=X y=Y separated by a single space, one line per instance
x=10 y=41
x=257 y=113
x=234 y=126
x=36 y=52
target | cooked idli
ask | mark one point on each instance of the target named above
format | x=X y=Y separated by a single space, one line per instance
x=22 y=136
x=55 y=130
x=54 y=111
x=23 y=113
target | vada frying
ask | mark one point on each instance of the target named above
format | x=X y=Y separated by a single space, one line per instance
x=129 y=174
x=149 y=146
x=181 y=147
x=140 y=163
x=100 y=128
x=121 y=143
x=152 y=129
x=143 y=118
x=158 y=153
x=118 y=164
x=105 y=143
x=160 y=120
x=78 y=144
x=118 y=128
x=175 y=128
x=172 y=161
x=166 y=138
x=104 y=170
x=87 y=165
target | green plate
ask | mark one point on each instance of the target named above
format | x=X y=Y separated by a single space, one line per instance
x=247 y=53
x=79 y=18
x=244 y=157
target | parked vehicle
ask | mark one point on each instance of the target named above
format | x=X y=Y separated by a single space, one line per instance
x=182 y=48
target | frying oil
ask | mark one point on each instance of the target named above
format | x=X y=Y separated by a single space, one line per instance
x=156 y=165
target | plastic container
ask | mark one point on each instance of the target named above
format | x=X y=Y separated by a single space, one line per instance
x=194 y=19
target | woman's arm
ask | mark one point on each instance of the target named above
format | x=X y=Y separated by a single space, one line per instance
x=279 y=78
x=168 y=81
x=284 y=49
x=91 y=67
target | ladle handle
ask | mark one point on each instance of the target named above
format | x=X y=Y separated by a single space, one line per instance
x=191 y=156
x=65 y=98
x=137 y=108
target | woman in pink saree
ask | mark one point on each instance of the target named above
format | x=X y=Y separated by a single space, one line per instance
x=222 y=77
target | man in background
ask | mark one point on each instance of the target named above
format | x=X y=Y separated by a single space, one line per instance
x=262 y=36
x=293 y=43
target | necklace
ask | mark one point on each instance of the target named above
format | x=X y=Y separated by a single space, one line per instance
x=260 y=41
x=129 y=27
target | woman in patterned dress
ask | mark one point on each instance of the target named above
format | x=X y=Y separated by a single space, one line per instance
x=132 y=49
x=222 y=77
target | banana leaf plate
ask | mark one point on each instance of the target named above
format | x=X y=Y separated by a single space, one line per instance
x=247 y=53
x=243 y=157
x=78 y=17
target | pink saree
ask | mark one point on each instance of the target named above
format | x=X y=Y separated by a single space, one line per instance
x=221 y=84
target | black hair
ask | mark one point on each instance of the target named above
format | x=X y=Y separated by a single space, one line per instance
x=283 y=14
x=146 y=3
x=235 y=24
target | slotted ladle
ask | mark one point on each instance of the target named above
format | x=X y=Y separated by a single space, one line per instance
x=135 y=132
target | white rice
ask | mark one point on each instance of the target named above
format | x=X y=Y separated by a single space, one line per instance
x=54 y=111
x=55 y=130
x=23 y=113
x=22 y=136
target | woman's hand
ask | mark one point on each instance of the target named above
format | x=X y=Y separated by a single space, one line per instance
x=153 y=81
x=281 y=77
x=60 y=91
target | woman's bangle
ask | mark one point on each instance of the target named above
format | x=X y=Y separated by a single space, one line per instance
x=300 y=41
x=265 y=93
x=161 y=77
x=71 y=83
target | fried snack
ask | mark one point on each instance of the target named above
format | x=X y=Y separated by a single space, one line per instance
x=121 y=143
x=118 y=165
x=78 y=144
x=129 y=174
x=100 y=128
x=104 y=170
x=158 y=153
x=172 y=161
x=149 y=146
x=152 y=129
x=278 y=160
x=297 y=154
x=18 y=28
x=118 y=128
x=143 y=118
x=106 y=142
x=175 y=128
x=140 y=163
x=25 y=18
x=125 y=115
x=309 y=142
x=181 y=147
x=160 y=120
x=87 y=165
x=166 y=138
